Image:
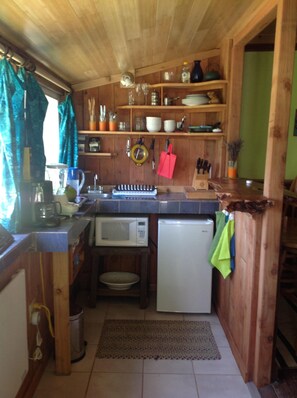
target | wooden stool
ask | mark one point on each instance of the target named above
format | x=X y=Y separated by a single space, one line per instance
x=98 y=253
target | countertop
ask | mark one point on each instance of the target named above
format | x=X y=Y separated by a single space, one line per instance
x=170 y=200
x=51 y=239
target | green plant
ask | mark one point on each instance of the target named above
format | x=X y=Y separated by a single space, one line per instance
x=234 y=148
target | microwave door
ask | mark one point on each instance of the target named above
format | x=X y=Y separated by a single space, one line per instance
x=116 y=232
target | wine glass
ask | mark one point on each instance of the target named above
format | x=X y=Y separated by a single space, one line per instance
x=145 y=89
x=138 y=92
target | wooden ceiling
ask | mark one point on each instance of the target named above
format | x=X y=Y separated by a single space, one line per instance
x=83 y=41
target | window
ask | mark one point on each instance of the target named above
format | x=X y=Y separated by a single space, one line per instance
x=51 y=131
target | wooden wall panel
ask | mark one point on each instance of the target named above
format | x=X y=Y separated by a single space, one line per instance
x=236 y=297
x=120 y=169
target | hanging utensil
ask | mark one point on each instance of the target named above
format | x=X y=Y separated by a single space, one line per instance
x=128 y=147
x=152 y=147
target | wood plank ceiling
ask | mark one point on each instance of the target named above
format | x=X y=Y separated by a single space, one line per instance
x=85 y=40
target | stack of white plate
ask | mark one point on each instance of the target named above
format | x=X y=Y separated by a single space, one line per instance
x=195 y=99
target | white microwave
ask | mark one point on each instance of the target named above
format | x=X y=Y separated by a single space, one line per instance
x=121 y=231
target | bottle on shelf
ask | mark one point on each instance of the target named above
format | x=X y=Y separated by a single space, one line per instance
x=197 y=72
x=185 y=73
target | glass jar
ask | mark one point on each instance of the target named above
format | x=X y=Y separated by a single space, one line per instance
x=185 y=73
x=155 y=99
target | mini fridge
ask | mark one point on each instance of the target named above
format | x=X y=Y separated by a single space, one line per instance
x=184 y=275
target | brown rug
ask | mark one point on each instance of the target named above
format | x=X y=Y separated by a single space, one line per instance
x=157 y=339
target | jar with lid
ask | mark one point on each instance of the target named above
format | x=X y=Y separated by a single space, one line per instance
x=185 y=73
x=155 y=99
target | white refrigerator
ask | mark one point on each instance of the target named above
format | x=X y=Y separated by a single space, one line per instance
x=184 y=275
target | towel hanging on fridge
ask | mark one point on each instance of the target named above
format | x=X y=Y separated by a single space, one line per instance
x=167 y=163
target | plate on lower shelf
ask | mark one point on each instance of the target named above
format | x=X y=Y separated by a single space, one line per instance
x=119 y=280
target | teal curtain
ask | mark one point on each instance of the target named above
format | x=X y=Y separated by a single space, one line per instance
x=68 y=134
x=35 y=109
x=11 y=144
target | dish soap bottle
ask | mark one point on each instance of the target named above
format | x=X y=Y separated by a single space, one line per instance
x=185 y=73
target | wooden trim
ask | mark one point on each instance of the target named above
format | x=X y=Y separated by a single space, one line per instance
x=256 y=22
x=282 y=76
x=235 y=93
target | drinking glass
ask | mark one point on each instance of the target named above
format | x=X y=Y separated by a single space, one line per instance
x=138 y=92
x=145 y=89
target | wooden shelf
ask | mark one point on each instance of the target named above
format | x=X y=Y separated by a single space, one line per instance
x=198 y=108
x=208 y=136
x=100 y=154
x=209 y=85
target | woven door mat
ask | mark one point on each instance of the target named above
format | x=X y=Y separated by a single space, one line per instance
x=135 y=339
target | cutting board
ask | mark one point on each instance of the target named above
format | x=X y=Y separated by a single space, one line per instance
x=191 y=193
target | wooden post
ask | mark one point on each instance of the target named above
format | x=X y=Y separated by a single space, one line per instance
x=282 y=75
x=61 y=312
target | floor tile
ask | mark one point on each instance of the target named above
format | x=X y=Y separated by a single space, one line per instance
x=129 y=378
x=221 y=386
x=169 y=386
x=92 y=332
x=219 y=335
x=118 y=365
x=52 y=386
x=226 y=365
x=167 y=366
x=115 y=385
x=86 y=363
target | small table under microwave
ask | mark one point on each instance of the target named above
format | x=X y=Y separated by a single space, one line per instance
x=120 y=235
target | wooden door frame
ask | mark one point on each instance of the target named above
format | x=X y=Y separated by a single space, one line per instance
x=285 y=13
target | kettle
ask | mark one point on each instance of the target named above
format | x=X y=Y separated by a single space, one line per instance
x=76 y=178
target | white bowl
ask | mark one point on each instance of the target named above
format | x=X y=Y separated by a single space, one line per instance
x=153 y=124
x=119 y=280
x=169 y=126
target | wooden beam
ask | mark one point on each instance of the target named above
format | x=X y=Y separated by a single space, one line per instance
x=235 y=93
x=61 y=312
x=255 y=22
x=282 y=76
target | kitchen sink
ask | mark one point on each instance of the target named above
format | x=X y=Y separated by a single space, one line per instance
x=99 y=195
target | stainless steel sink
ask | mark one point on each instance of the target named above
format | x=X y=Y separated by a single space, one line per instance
x=99 y=195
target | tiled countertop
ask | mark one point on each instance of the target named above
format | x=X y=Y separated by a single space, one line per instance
x=164 y=203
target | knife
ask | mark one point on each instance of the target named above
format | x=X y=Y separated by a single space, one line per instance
x=199 y=165
x=204 y=165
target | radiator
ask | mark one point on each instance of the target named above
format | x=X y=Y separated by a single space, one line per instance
x=14 y=361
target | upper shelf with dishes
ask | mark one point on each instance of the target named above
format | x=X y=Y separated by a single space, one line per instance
x=207 y=96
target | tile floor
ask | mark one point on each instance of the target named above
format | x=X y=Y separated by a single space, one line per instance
x=110 y=378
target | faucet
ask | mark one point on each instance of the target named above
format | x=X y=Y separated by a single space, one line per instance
x=98 y=188
x=95 y=181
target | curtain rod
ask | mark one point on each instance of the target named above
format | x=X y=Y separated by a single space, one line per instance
x=8 y=51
